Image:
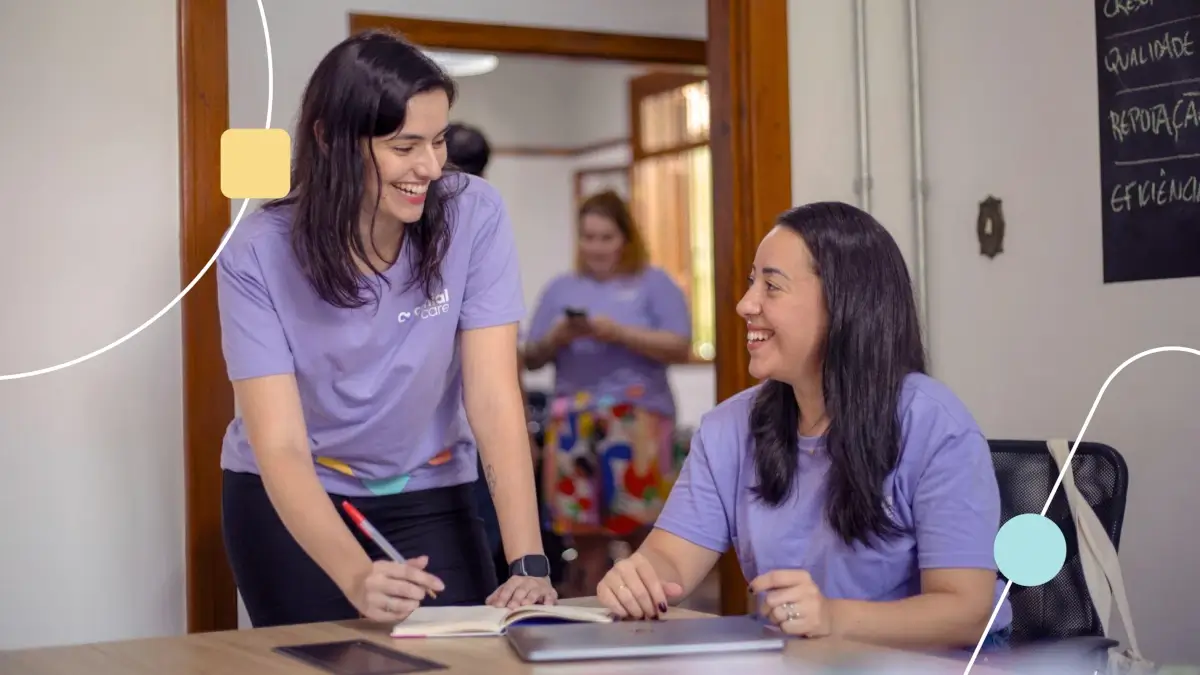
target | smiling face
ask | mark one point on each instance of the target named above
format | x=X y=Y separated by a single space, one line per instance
x=407 y=161
x=784 y=309
x=600 y=244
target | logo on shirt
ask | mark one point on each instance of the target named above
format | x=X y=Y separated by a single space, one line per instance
x=437 y=306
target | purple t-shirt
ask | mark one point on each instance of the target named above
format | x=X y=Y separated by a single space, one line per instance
x=650 y=300
x=380 y=385
x=943 y=493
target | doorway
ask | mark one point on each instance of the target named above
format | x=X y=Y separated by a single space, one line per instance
x=745 y=57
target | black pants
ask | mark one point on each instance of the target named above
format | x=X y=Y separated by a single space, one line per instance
x=281 y=585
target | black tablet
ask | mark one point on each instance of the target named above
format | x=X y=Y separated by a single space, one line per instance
x=358 y=657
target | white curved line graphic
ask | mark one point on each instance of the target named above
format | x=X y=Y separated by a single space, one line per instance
x=1062 y=474
x=242 y=211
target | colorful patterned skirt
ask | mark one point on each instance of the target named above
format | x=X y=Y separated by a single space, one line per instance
x=607 y=468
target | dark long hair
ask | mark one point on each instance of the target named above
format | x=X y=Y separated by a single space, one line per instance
x=359 y=91
x=874 y=341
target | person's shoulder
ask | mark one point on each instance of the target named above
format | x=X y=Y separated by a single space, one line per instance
x=475 y=207
x=933 y=420
x=263 y=234
x=924 y=398
x=729 y=421
x=472 y=191
x=655 y=276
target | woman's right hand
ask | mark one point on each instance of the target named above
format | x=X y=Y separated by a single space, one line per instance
x=633 y=590
x=392 y=590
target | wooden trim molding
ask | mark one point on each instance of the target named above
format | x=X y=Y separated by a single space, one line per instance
x=207 y=394
x=506 y=39
x=558 y=151
x=752 y=181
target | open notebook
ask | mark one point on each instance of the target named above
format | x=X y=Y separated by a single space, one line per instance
x=483 y=620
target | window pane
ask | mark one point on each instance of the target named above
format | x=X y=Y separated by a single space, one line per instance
x=674 y=118
x=673 y=204
x=703 y=276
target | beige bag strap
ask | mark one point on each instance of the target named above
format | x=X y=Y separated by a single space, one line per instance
x=1101 y=568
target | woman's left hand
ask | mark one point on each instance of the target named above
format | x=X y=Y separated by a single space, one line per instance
x=519 y=591
x=793 y=602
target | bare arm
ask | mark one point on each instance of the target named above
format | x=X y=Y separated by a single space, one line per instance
x=952 y=610
x=496 y=413
x=275 y=426
x=538 y=353
x=677 y=560
x=659 y=345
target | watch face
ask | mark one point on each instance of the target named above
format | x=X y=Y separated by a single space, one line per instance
x=533 y=566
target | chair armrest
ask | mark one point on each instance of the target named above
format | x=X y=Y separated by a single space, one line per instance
x=1088 y=644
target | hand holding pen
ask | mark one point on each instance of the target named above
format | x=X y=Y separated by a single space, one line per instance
x=395 y=587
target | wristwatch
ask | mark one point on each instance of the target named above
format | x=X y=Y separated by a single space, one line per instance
x=530 y=566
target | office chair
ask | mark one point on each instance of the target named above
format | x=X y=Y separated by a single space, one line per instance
x=1060 y=611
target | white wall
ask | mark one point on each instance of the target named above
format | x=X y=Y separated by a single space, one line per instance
x=1027 y=339
x=91 y=491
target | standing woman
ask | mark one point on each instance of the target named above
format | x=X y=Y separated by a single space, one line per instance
x=611 y=328
x=369 y=326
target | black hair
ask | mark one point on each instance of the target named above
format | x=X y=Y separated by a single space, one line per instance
x=467 y=148
x=360 y=90
x=873 y=343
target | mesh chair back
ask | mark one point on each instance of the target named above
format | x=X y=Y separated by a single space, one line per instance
x=1026 y=472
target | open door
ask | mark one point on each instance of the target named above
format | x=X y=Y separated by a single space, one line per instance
x=671 y=188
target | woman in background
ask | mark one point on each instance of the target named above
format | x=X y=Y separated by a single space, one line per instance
x=610 y=328
x=857 y=492
x=369 y=326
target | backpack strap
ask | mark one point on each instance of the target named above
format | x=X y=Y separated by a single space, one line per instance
x=1098 y=556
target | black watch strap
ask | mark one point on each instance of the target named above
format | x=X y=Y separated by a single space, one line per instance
x=530 y=566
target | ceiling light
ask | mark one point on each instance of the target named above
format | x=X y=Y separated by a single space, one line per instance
x=464 y=65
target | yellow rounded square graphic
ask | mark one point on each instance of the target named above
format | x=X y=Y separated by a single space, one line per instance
x=256 y=163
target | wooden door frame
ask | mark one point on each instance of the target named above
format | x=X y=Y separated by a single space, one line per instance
x=746 y=56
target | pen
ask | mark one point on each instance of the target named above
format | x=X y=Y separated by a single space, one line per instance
x=369 y=530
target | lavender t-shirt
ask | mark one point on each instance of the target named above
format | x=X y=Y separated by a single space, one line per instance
x=381 y=385
x=943 y=493
x=648 y=300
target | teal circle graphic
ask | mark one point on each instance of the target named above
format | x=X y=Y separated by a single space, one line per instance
x=1030 y=549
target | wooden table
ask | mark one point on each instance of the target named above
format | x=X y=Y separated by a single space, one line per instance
x=248 y=652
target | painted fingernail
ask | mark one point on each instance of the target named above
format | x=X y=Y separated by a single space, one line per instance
x=662 y=607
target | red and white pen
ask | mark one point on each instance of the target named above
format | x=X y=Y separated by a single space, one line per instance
x=369 y=530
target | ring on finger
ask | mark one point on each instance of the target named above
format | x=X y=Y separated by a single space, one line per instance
x=791 y=611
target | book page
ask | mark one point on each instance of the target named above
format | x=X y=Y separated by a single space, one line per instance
x=432 y=620
x=569 y=612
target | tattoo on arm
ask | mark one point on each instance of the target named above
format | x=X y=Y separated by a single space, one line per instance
x=490 y=475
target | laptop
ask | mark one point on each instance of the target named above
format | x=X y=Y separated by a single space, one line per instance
x=639 y=639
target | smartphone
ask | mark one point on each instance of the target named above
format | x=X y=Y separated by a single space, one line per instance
x=358 y=657
x=575 y=313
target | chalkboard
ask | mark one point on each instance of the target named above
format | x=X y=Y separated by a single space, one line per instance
x=1149 y=76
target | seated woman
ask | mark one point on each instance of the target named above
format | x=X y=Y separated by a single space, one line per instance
x=858 y=492
x=610 y=328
